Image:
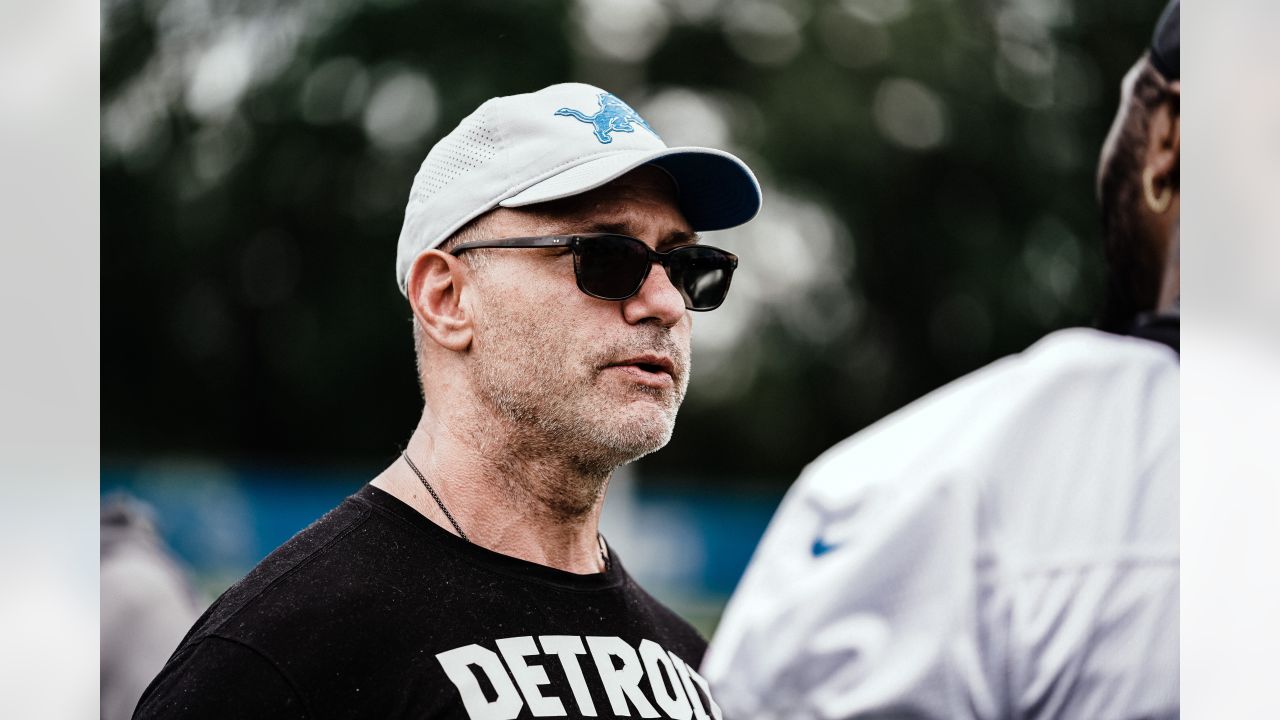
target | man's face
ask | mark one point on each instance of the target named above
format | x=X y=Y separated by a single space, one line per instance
x=594 y=380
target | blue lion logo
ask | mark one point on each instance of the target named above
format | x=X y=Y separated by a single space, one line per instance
x=614 y=116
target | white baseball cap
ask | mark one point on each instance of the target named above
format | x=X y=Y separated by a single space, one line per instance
x=558 y=142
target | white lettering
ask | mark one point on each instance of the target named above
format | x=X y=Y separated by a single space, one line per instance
x=529 y=677
x=620 y=683
x=479 y=674
x=702 y=683
x=660 y=670
x=567 y=648
x=694 y=699
x=456 y=664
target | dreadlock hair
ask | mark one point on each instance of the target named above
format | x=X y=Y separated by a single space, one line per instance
x=1134 y=263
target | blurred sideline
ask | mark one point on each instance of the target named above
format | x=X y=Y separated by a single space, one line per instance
x=686 y=547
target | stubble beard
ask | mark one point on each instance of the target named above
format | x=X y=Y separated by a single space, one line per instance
x=561 y=409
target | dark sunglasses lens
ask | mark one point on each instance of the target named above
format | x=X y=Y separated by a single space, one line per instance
x=611 y=267
x=702 y=275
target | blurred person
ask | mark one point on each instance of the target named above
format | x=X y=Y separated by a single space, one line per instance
x=550 y=258
x=1006 y=547
x=147 y=604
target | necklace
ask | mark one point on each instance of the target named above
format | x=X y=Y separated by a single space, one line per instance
x=604 y=550
x=405 y=454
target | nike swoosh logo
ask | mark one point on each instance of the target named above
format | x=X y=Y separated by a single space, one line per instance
x=822 y=547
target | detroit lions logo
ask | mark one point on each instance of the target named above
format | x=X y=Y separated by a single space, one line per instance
x=614 y=116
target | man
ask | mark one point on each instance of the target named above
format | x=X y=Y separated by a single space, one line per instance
x=1006 y=547
x=550 y=260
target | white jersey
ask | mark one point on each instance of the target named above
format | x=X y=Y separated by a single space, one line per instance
x=1006 y=547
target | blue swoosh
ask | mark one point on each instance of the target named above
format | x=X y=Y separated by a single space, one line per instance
x=821 y=547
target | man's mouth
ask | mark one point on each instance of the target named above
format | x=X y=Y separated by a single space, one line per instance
x=653 y=370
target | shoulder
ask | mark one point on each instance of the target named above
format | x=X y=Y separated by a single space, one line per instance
x=1071 y=386
x=218 y=678
x=307 y=605
x=1093 y=362
x=315 y=586
x=307 y=554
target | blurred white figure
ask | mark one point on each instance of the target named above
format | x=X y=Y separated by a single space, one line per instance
x=1006 y=547
x=147 y=605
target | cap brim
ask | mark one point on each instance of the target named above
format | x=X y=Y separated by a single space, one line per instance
x=715 y=190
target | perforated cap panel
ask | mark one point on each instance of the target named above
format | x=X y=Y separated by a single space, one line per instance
x=469 y=147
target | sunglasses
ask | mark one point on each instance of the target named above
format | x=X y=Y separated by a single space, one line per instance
x=613 y=267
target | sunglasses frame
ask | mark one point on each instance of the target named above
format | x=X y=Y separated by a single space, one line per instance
x=575 y=242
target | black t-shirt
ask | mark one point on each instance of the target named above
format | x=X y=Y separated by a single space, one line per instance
x=375 y=612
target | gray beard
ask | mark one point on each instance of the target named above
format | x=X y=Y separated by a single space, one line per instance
x=548 y=417
x=550 y=423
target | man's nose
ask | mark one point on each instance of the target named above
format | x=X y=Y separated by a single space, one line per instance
x=657 y=299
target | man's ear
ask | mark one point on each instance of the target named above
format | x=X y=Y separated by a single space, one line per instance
x=1164 y=136
x=436 y=285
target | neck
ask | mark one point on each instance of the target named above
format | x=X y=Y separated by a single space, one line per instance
x=508 y=494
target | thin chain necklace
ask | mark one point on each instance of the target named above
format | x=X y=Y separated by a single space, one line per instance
x=405 y=454
x=604 y=550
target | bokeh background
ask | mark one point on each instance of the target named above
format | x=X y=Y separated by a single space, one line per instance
x=928 y=172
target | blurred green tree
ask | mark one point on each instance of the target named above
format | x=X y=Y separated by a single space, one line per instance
x=256 y=159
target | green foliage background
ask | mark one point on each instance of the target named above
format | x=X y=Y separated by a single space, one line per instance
x=249 y=311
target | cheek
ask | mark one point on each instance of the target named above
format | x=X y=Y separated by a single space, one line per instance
x=513 y=294
x=527 y=328
x=682 y=333
x=537 y=287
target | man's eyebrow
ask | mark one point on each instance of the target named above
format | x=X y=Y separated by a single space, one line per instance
x=675 y=237
x=679 y=237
